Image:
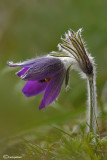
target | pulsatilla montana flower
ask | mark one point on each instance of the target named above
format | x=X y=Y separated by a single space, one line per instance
x=45 y=74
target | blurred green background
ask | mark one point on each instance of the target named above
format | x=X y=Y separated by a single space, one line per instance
x=30 y=28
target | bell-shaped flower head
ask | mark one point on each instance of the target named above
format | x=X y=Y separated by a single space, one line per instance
x=45 y=74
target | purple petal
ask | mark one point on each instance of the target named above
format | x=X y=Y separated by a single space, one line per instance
x=53 y=89
x=27 y=63
x=33 y=88
x=23 y=64
x=43 y=68
x=22 y=71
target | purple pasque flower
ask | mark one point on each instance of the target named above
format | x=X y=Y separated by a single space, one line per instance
x=45 y=74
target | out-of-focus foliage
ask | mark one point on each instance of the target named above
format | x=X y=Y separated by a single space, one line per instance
x=31 y=28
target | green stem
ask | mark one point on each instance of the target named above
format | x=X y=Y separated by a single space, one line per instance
x=92 y=104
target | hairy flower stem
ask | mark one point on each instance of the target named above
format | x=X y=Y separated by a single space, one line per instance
x=82 y=61
x=92 y=104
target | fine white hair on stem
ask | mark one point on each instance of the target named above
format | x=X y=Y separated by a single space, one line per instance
x=72 y=50
x=92 y=103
